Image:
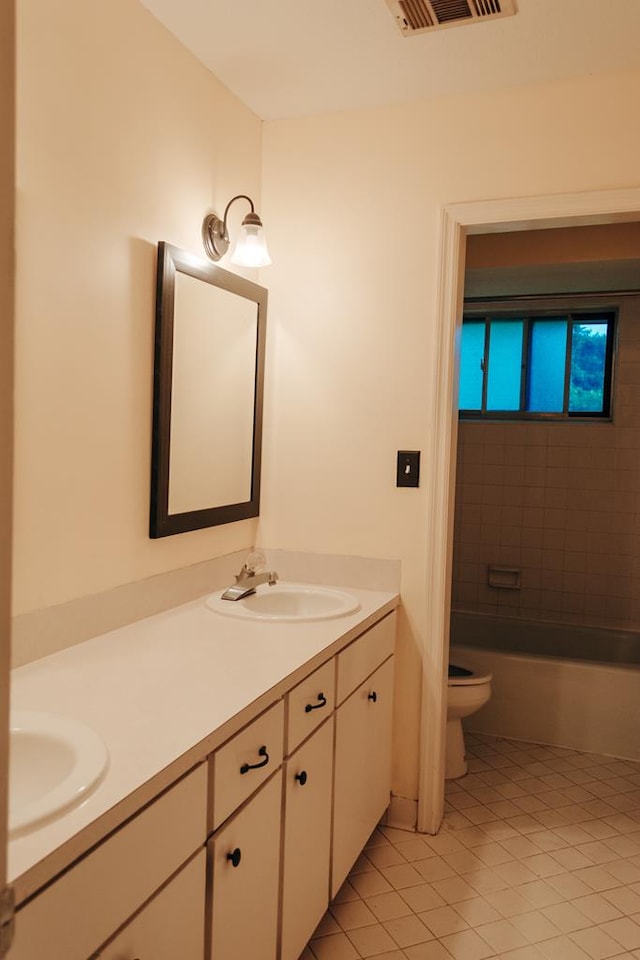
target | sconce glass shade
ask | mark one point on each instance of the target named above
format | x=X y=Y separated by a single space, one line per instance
x=251 y=247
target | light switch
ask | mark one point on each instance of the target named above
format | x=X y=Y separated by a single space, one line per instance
x=408 y=474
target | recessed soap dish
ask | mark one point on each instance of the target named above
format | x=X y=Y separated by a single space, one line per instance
x=504 y=578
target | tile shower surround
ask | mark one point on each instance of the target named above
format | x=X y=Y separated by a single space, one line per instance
x=559 y=501
x=538 y=858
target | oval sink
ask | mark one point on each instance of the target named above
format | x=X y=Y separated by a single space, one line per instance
x=53 y=764
x=287 y=601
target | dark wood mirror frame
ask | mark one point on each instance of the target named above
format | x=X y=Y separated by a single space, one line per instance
x=170 y=261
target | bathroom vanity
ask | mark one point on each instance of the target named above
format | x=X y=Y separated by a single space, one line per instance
x=249 y=763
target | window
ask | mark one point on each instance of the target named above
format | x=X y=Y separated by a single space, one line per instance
x=539 y=365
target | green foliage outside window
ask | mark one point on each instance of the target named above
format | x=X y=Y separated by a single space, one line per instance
x=588 y=355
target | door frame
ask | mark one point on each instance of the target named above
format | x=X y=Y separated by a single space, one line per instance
x=457 y=221
x=7 y=302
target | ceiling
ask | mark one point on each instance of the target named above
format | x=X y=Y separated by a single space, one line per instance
x=292 y=58
x=602 y=276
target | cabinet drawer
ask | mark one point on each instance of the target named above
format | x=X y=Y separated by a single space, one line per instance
x=245 y=762
x=72 y=917
x=309 y=704
x=171 y=925
x=366 y=653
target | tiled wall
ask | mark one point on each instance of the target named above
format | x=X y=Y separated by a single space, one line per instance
x=560 y=502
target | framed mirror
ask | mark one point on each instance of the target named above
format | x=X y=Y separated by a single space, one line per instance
x=207 y=395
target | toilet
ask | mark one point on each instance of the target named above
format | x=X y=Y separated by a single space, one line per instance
x=468 y=691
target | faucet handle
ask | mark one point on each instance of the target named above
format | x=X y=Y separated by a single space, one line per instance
x=255 y=562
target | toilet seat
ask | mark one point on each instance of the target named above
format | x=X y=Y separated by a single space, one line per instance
x=469 y=679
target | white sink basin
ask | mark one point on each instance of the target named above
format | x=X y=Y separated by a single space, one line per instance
x=287 y=601
x=53 y=764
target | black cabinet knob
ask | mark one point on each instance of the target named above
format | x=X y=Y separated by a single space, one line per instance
x=301 y=777
x=373 y=696
x=235 y=857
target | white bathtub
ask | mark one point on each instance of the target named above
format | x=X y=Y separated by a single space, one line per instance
x=588 y=703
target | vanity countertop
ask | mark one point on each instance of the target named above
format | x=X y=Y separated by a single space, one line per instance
x=163 y=693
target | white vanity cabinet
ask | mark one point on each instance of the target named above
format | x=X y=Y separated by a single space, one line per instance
x=239 y=858
x=362 y=771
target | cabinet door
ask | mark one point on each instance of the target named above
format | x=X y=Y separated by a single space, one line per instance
x=246 y=879
x=362 y=768
x=171 y=926
x=307 y=840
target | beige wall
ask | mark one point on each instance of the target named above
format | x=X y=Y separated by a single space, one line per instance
x=7 y=265
x=561 y=503
x=353 y=203
x=124 y=140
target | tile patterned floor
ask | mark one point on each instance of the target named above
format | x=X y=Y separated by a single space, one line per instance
x=538 y=859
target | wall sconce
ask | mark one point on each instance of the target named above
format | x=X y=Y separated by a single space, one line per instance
x=251 y=247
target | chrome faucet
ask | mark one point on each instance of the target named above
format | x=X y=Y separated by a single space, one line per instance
x=249 y=578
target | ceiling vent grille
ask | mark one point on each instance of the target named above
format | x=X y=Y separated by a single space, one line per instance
x=420 y=16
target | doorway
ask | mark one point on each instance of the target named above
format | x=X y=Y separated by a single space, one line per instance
x=457 y=222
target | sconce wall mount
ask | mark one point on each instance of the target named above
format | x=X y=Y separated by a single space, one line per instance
x=251 y=248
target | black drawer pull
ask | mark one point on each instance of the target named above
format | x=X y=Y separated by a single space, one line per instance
x=235 y=857
x=322 y=702
x=301 y=777
x=262 y=752
x=373 y=696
